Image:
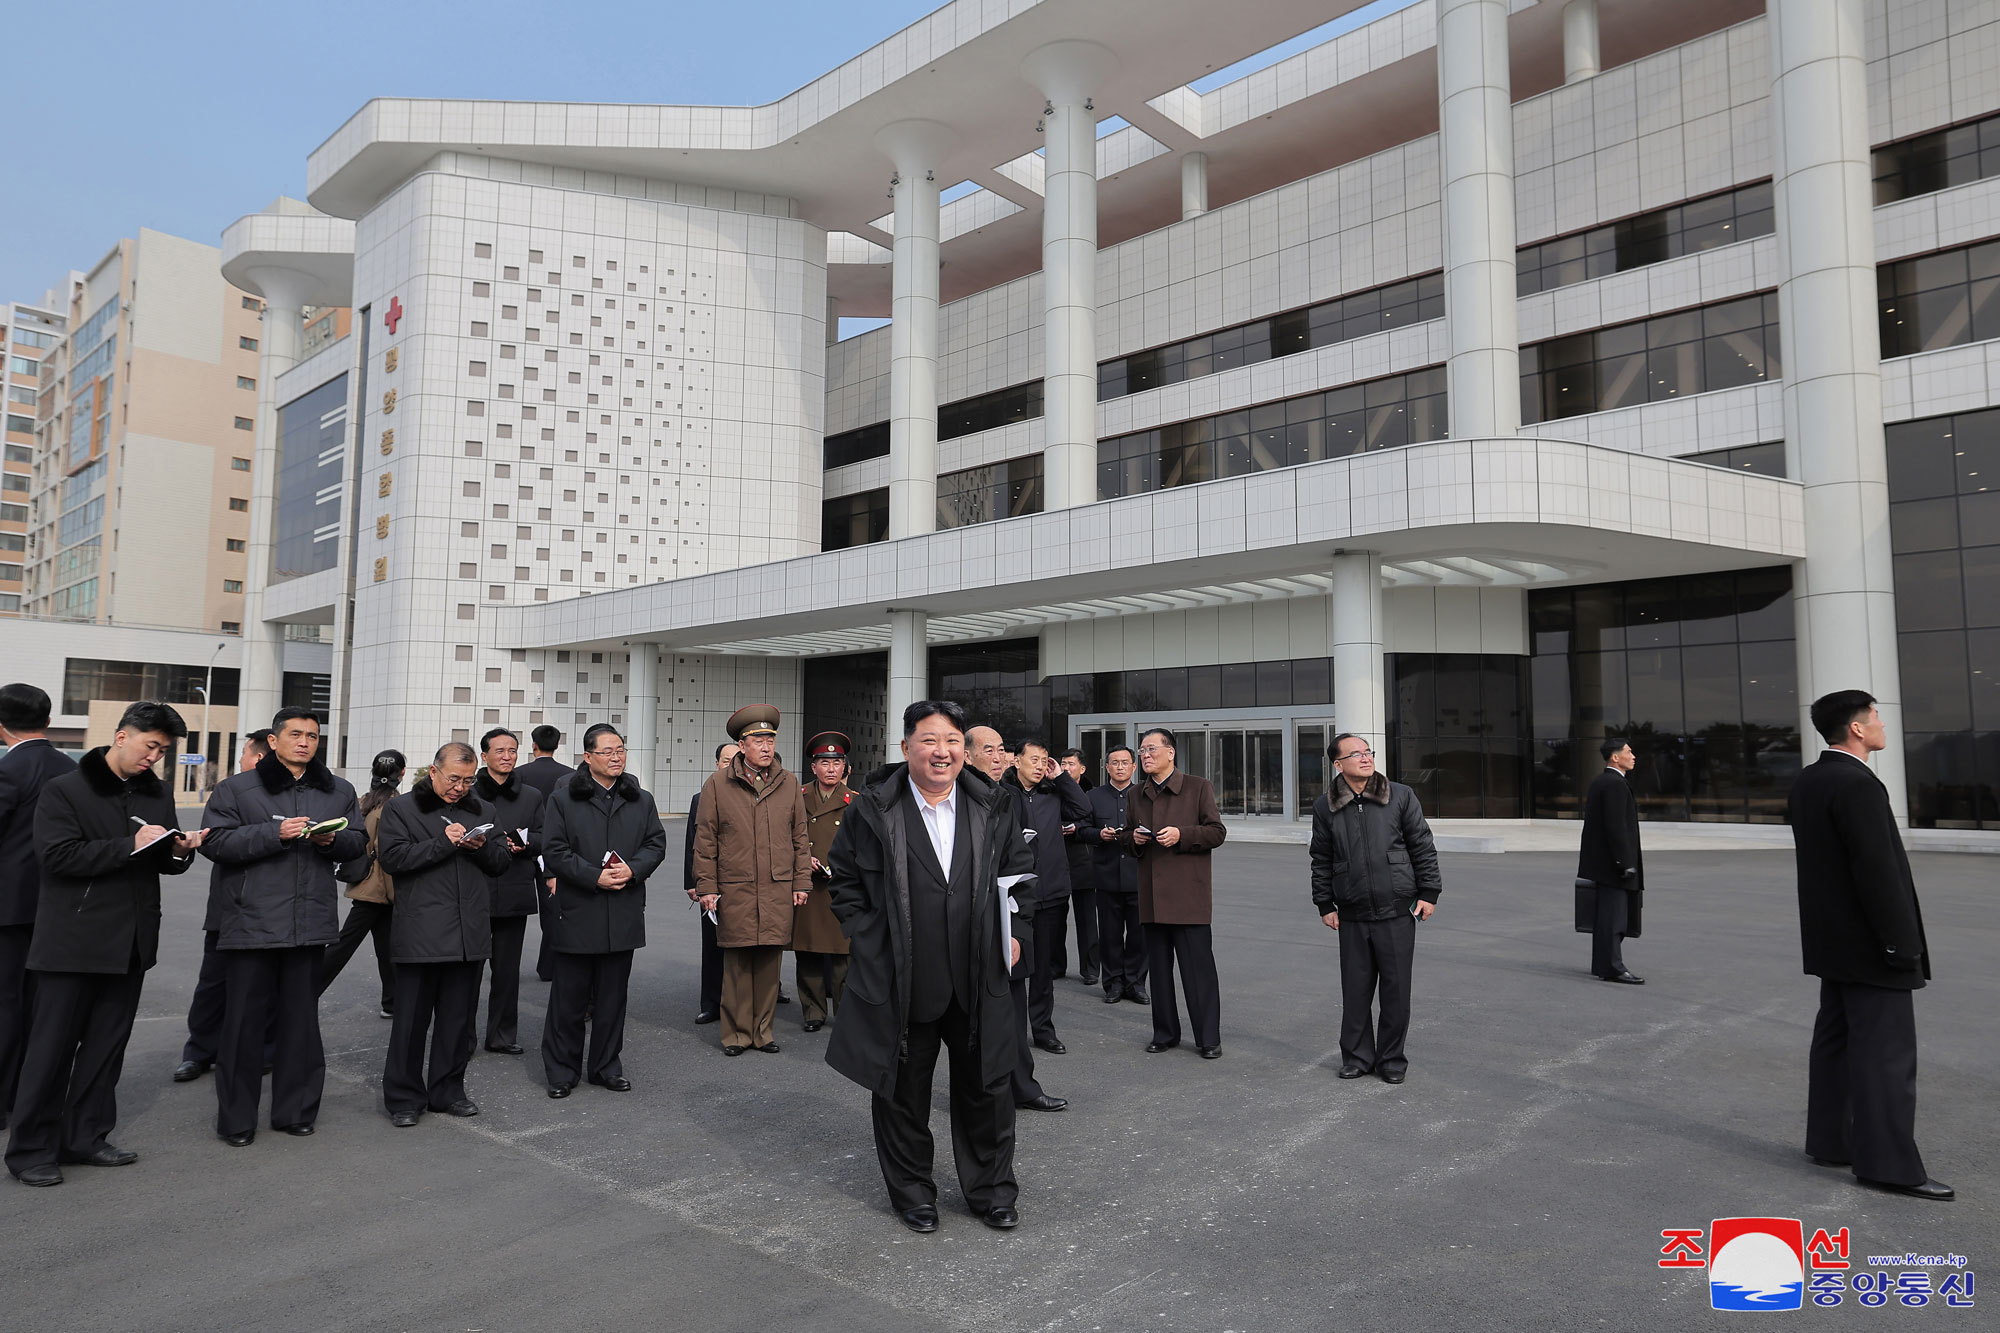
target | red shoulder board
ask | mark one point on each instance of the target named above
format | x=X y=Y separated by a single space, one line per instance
x=847 y=799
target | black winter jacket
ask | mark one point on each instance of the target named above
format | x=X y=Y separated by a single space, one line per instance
x=1859 y=920
x=100 y=904
x=25 y=770
x=279 y=895
x=580 y=824
x=1372 y=856
x=1117 y=870
x=1045 y=808
x=444 y=891
x=515 y=805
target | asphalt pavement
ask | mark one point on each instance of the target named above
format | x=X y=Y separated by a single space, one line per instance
x=1551 y=1128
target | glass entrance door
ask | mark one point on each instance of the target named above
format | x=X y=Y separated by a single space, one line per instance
x=1246 y=766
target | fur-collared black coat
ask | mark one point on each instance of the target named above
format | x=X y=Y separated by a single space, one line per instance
x=1372 y=856
x=515 y=805
x=100 y=904
x=580 y=823
x=444 y=890
x=275 y=894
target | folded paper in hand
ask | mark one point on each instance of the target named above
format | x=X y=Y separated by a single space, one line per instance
x=1008 y=907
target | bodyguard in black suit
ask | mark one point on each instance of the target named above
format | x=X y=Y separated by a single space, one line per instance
x=547 y=774
x=711 y=950
x=29 y=764
x=1862 y=935
x=103 y=836
x=1121 y=942
x=1609 y=859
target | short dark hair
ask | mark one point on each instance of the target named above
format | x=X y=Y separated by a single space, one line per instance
x=1116 y=748
x=486 y=741
x=1072 y=753
x=258 y=742
x=596 y=730
x=284 y=715
x=1612 y=745
x=720 y=748
x=546 y=738
x=151 y=715
x=1020 y=744
x=1162 y=732
x=924 y=708
x=24 y=707
x=1833 y=713
x=1333 y=746
x=454 y=752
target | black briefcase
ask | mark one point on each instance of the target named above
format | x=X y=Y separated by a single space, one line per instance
x=1586 y=906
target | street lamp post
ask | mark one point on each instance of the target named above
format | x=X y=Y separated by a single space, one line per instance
x=207 y=690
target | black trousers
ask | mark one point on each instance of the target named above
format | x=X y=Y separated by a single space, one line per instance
x=205 y=1010
x=711 y=968
x=1607 y=934
x=270 y=1010
x=16 y=992
x=1088 y=963
x=503 y=996
x=1025 y=1086
x=364 y=919
x=1121 y=943
x=1376 y=956
x=1861 y=1099
x=982 y=1121
x=67 y=1101
x=593 y=981
x=545 y=909
x=1051 y=925
x=1194 y=946
x=434 y=1000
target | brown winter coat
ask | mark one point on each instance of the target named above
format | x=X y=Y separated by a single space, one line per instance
x=815 y=929
x=1175 y=887
x=751 y=849
x=378 y=887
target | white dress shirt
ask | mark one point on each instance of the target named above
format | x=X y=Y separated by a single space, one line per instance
x=940 y=821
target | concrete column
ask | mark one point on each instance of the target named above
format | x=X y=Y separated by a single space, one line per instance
x=1476 y=144
x=1194 y=185
x=1843 y=591
x=916 y=147
x=278 y=347
x=909 y=670
x=1580 y=58
x=1066 y=72
x=1360 y=697
x=832 y=320
x=642 y=714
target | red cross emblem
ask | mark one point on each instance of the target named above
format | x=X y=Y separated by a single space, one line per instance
x=395 y=315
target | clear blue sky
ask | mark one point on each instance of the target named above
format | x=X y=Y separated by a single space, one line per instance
x=185 y=116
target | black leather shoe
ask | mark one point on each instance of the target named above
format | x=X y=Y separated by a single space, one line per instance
x=1112 y=997
x=1935 y=1190
x=1352 y=1071
x=815 y=1024
x=1060 y=973
x=769 y=1048
x=1137 y=995
x=1155 y=1047
x=464 y=1108
x=1052 y=1045
x=187 y=1071
x=1626 y=979
x=41 y=1177
x=708 y=1016
x=404 y=1119
x=1210 y=1052
x=1391 y=1075
x=1827 y=1161
x=1043 y=1103
x=1088 y=978
x=922 y=1218
x=558 y=1091
x=104 y=1156
x=734 y=1050
x=243 y=1140
x=505 y=1050
x=1001 y=1219
x=297 y=1131
x=616 y=1084
x=783 y=998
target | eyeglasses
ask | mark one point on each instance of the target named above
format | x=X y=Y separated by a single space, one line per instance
x=618 y=753
x=1152 y=749
x=1355 y=754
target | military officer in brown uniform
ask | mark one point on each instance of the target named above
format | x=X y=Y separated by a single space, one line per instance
x=817 y=941
x=753 y=869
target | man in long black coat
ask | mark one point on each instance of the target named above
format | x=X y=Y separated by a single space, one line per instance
x=546 y=773
x=430 y=842
x=1862 y=934
x=517 y=808
x=1049 y=799
x=600 y=909
x=1610 y=859
x=1121 y=942
x=103 y=836
x=30 y=764
x=210 y=987
x=917 y=867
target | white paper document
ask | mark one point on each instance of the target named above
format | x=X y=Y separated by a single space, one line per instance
x=1007 y=909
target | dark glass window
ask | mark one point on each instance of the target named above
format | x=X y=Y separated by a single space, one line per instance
x=854 y=520
x=312 y=444
x=1939 y=300
x=1766 y=460
x=856 y=446
x=982 y=494
x=1379 y=414
x=87 y=678
x=1003 y=407
x=1720 y=346
x=1944 y=526
x=1457 y=724
x=1666 y=233
x=1698 y=673
x=1938 y=160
